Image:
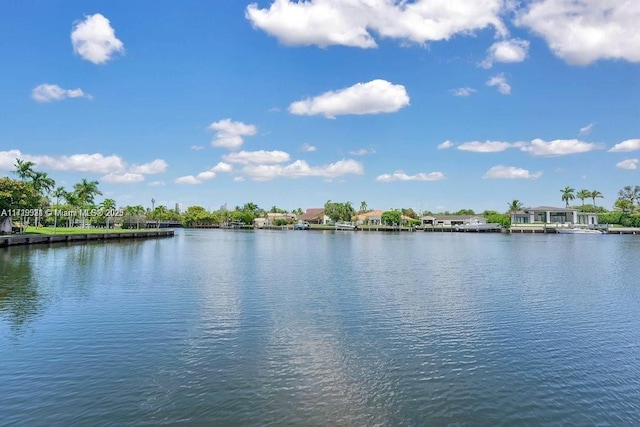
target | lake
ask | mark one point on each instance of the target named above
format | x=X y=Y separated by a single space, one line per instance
x=323 y=328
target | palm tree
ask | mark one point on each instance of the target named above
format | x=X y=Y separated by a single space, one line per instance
x=41 y=182
x=24 y=169
x=515 y=206
x=107 y=205
x=594 y=194
x=85 y=192
x=59 y=193
x=567 y=194
x=363 y=207
x=583 y=194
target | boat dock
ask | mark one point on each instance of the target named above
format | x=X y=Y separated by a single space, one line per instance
x=32 y=239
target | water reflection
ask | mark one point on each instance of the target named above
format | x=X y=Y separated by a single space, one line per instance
x=20 y=298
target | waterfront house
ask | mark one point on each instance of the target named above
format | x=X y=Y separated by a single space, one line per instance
x=551 y=215
x=452 y=220
x=369 y=218
x=314 y=216
x=273 y=218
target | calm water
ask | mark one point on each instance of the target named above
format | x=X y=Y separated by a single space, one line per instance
x=323 y=328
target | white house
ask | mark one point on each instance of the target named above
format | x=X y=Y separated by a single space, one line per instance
x=551 y=215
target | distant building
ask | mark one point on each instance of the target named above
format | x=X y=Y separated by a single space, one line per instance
x=179 y=208
x=315 y=216
x=551 y=215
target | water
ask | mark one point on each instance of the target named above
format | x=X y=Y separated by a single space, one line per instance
x=323 y=328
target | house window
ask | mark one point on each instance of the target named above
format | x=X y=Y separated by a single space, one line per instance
x=558 y=217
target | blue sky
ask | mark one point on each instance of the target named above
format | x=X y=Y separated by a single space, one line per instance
x=430 y=104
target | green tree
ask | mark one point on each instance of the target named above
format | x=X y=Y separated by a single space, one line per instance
x=409 y=212
x=515 y=206
x=363 y=207
x=24 y=169
x=108 y=205
x=594 y=194
x=392 y=217
x=630 y=193
x=16 y=195
x=583 y=194
x=339 y=211
x=86 y=191
x=465 y=212
x=568 y=194
x=623 y=204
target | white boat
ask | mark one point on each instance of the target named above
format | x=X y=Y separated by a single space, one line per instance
x=475 y=225
x=347 y=226
x=577 y=230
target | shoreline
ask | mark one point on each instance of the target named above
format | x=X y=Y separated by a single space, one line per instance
x=36 y=239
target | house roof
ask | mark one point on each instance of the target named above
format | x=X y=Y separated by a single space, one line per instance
x=546 y=208
x=311 y=214
x=369 y=214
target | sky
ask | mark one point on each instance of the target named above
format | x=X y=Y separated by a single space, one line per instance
x=430 y=104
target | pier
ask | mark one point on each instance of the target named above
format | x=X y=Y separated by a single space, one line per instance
x=32 y=239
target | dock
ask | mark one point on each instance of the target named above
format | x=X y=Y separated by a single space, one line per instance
x=33 y=239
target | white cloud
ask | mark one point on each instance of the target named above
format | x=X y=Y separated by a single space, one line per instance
x=222 y=167
x=630 y=164
x=374 y=97
x=558 y=147
x=95 y=40
x=229 y=133
x=157 y=183
x=123 y=178
x=188 y=179
x=206 y=175
x=584 y=31
x=587 y=129
x=47 y=93
x=113 y=167
x=196 y=147
x=625 y=146
x=501 y=82
x=401 y=176
x=300 y=168
x=363 y=152
x=352 y=22
x=445 y=145
x=463 y=91
x=238 y=179
x=257 y=157
x=513 y=50
x=511 y=172
x=156 y=166
x=308 y=148
x=484 y=147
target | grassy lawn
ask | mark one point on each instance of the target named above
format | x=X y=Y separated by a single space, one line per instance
x=78 y=230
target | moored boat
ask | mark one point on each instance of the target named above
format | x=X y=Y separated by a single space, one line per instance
x=577 y=230
x=347 y=226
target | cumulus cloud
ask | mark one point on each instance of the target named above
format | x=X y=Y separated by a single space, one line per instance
x=156 y=166
x=584 y=31
x=445 y=145
x=353 y=22
x=630 y=164
x=229 y=133
x=626 y=146
x=95 y=40
x=401 y=176
x=511 y=172
x=484 y=147
x=114 y=168
x=308 y=148
x=188 y=179
x=196 y=147
x=300 y=168
x=500 y=81
x=206 y=175
x=363 y=152
x=222 y=167
x=558 y=147
x=463 y=91
x=157 y=183
x=123 y=178
x=260 y=156
x=374 y=97
x=512 y=50
x=47 y=93
x=587 y=129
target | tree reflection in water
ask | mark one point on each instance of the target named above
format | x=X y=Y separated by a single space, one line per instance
x=20 y=299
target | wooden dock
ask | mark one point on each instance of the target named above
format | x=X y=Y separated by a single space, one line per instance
x=33 y=239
